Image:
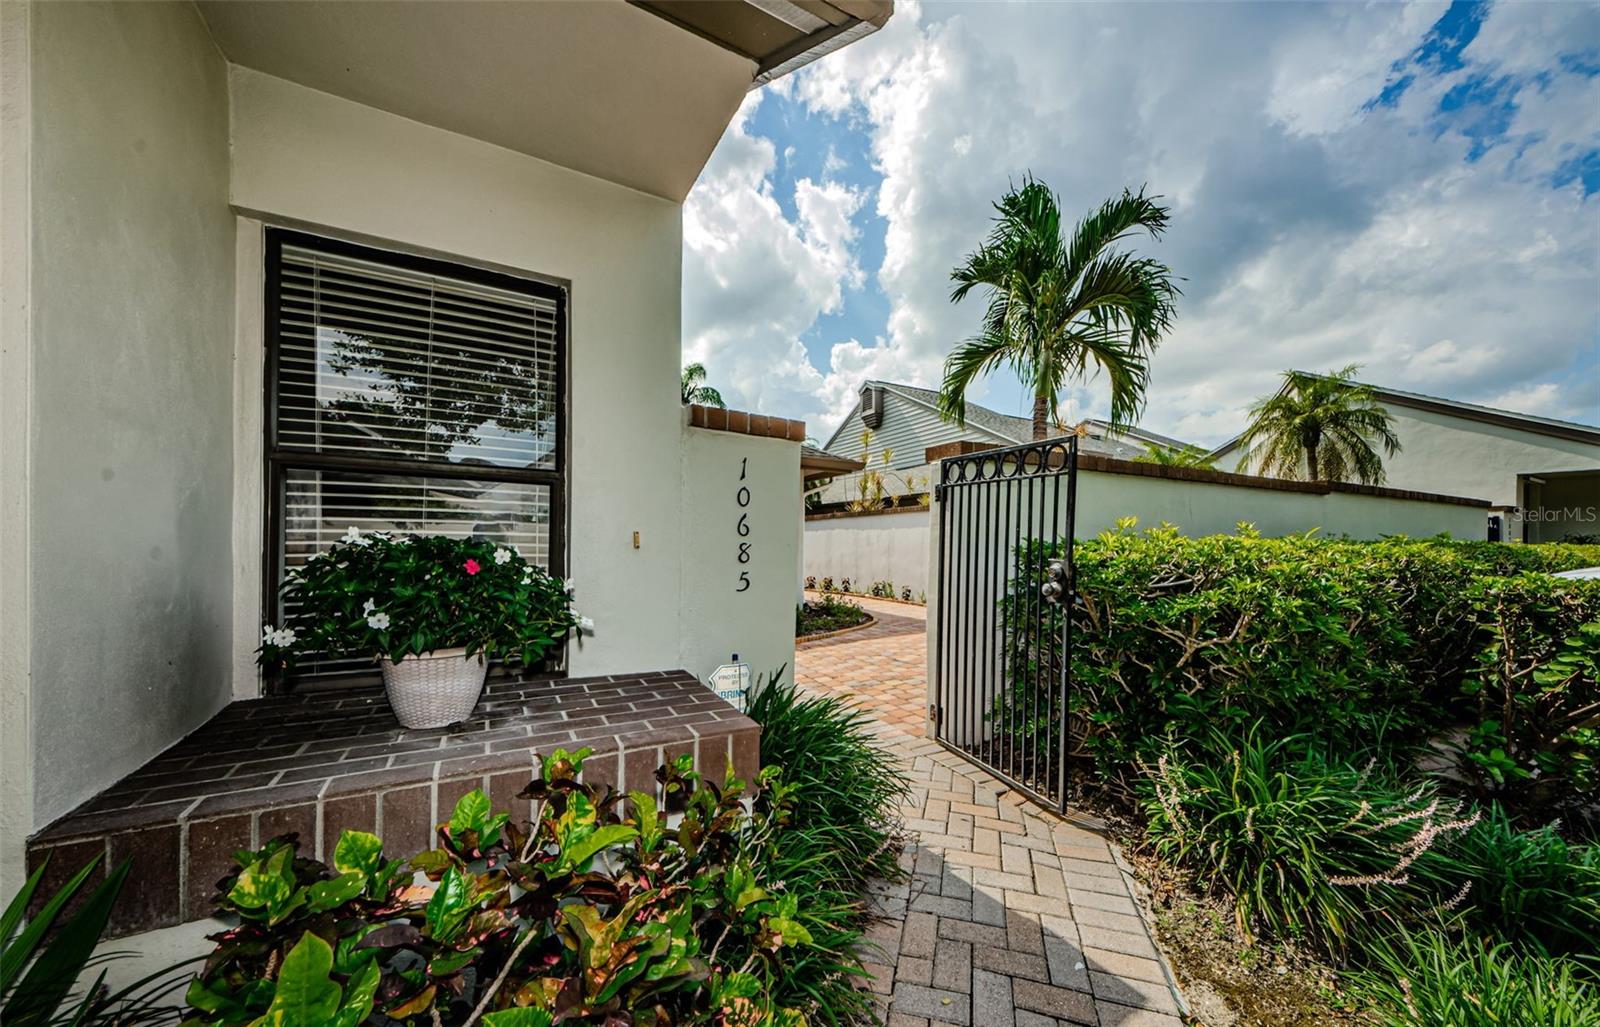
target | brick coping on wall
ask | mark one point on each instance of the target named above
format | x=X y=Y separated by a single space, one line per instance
x=1112 y=465
x=742 y=423
x=830 y=515
x=322 y=762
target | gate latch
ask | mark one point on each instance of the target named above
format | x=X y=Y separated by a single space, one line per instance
x=1055 y=585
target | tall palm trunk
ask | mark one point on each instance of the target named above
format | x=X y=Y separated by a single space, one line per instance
x=1041 y=417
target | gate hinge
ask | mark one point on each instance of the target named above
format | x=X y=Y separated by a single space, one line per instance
x=936 y=714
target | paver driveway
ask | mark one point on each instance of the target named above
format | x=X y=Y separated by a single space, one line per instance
x=1012 y=916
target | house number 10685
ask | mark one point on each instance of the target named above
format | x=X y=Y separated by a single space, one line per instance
x=743 y=499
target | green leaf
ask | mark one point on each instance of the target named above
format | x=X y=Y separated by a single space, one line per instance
x=648 y=818
x=788 y=932
x=358 y=851
x=358 y=996
x=520 y=1017
x=472 y=809
x=325 y=895
x=582 y=851
x=449 y=906
x=306 y=996
x=53 y=974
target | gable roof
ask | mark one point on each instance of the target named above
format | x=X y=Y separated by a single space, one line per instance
x=1550 y=426
x=1094 y=434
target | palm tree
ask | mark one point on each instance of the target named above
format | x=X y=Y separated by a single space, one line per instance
x=1323 y=427
x=1177 y=456
x=693 y=391
x=1058 y=304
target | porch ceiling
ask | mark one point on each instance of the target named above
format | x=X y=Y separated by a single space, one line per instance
x=634 y=94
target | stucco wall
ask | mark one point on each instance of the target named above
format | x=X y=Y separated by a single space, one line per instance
x=1469 y=458
x=131 y=461
x=312 y=158
x=1457 y=456
x=1203 y=508
x=718 y=619
x=874 y=547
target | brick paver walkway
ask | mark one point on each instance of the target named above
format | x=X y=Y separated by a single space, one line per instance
x=882 y=668
x=1012 y=916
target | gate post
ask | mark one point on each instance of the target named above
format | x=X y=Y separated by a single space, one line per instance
x=932 y=609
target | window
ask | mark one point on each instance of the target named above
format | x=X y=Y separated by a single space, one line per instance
x=408 y=395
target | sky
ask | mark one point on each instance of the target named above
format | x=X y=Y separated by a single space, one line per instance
x=1412 y=188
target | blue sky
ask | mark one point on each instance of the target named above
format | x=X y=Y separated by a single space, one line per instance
x=1411 y=188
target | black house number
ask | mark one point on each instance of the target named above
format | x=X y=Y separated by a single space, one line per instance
x=743 y=499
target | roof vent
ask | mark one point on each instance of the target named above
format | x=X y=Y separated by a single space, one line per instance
x=872 y=405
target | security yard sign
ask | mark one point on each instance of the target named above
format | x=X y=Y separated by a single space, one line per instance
x=731 y=682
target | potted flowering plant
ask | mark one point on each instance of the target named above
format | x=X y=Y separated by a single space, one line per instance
x=431 y=610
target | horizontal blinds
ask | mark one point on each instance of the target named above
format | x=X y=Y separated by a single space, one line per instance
x=389 y=362
x=408 y=365
x=320 y=506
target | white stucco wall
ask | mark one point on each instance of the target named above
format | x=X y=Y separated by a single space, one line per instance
x=323 y=162
x=1204 y=508
x=130 y=462
x=1469 y=458
x=718 y=619
x=873 y=547
x=1457 y=456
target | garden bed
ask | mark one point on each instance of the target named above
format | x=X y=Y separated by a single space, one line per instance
x=1262 y=719
x=827 y=615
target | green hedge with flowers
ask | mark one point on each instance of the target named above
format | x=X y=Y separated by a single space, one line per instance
x=398 y=595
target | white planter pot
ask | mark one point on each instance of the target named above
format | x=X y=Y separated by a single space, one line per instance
x=436 y=689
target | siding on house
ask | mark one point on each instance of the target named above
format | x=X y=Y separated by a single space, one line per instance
x=909 y=427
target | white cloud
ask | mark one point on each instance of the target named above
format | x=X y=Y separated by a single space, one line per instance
x=1312 y=233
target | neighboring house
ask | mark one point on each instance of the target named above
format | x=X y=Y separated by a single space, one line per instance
x=1540 y=475
x=271 y=270
x=905 y=420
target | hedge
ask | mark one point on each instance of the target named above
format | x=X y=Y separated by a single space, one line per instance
x=1354 y=643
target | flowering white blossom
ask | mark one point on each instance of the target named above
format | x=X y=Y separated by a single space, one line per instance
x=586 y=624
x=527 y=576
x=502 y=555
x=352 y=535
x=368 y=607
x=267 y=632
x=378 y=621
x=282 y=638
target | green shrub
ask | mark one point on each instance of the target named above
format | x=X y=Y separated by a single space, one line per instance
x=588 y=917
x=1333 y=638
x=1536 y=692
x=44 y=963
x=1428 y=978
x=827 y=613
x=847 y=790
x=1525 y=887
x=1305 y=847
x=842 y=830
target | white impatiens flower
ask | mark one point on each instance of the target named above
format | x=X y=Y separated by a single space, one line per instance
x=378 y=621
x=352 y=535
x=267 y=634
x=368 y=607
x=283 y=637
x=502 y=555
x=586 y=624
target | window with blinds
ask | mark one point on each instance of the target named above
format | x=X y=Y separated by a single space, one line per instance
x=412 y=396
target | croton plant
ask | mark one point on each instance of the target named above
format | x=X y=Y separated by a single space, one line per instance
x=398 y=595
x=596 y=912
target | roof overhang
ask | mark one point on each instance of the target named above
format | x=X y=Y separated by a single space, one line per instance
x=816 y=464
x=780 y=36
x=636 y=94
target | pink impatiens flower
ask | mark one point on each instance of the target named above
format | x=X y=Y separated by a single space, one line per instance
x=472 y=567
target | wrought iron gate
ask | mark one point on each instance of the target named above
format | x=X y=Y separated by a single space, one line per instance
x=1003 y=630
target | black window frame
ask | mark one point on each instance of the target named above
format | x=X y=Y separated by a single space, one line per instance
x=279 y=462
